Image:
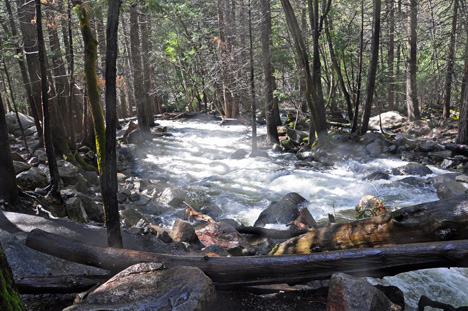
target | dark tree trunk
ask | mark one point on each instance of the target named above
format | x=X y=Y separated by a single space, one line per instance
x=146 y=49
x=138 y=77
x=252 y=85
x=8 y=187
x=463 y=121
x=47 y=134
x=109 y=184
x=9 y=297
x=357 y=99
x=391 y=54
x=450 y=61
x=412 y=66
x=370 y=88
x=272 y=131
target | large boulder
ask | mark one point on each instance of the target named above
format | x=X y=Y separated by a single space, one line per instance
x=145 y=286
x=348 y=293
x=172 y=197
x=296 y=136
x=390 y=120
x=283 y=211
x=20 y=166
x=32 y=179
x=416 y=169
x=450 y=188
x=13 y=126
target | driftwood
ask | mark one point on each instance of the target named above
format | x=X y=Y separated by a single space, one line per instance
x=244 y=271
x=442 y=220
x=192 y=214
x=58 y=284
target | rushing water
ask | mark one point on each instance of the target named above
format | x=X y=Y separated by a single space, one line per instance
x=196 y=159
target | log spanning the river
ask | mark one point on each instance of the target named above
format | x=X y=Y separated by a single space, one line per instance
x=244 y=271
x=442 y=220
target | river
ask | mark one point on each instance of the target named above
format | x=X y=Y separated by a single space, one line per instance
x=196 y=158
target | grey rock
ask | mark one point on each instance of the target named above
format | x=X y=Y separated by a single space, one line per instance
x=131 y=216
x=348 y=293
x=175 y=289
x=172 y=197
x=282 y=212
x=449 y=189
x=239 y=154
x=76 y=210
x=12 y=122
x=374 y=149
x=378 y=175
x=135 y=137
x=182 y=231
x=390 y=120
x=32 y=179
x=416 y=169
x=296 y=136
x=20 y=167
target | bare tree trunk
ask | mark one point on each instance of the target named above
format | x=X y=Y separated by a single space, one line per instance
x=272 y=131
x=450 y=60
x=391 y=54
x=252 y=84
x=145 y=28
x=357 y=99
x=370 y=88
x=109 y=182
x=412 y=67
x=9 y=298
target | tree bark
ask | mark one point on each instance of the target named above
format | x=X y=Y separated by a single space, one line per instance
x=391 y=55
x=370 y=88
x=109 y=182
x=268 y=82
x=432 y=221
x=8 y=187
x=252 y=85
x=450 y=61
x=47 y=134
x=224 y=271
x=462 y=137
x=412 y=66
x=357 y=99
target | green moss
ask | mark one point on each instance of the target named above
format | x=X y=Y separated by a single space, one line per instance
x=92 y=85
x=9 y=297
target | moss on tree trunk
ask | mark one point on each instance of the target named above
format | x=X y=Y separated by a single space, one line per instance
x=9 y=297
x=92 y=85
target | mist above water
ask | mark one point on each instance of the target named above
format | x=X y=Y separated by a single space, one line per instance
x=196 y=158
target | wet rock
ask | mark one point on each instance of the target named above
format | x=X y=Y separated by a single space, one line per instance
x=374 y=149
x=305 y=220
x=462 y=178
x=413 y=181
x=131 y=216
x=450 y=188
x=378 y=175
x=182 y=231
x=286 y=145
x=439 y=156
x=76 y=210
x=416 y=169
x=348 y=293
x=259 y=154
x=283 y=211
x=369 y=206
x=32 y=179
x=239 y=154
x=226 y=236
x=295 y=136
x=20 y=167
x=172 y=197
x=145 y=286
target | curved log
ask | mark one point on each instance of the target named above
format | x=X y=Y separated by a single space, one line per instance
x=376 y=262
x=442 y=220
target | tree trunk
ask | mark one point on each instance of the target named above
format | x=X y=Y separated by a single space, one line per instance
x=450 y=60
x=138 y=77
x=8 y=187
x=252 y=85
x=230 y=271
x=391 y=55
x=357 y=99
x=9 y=297
x=47 y=134
x=432 y=221
x=412 y=67
x=462 y=137
x=268 y=82
x=370 y=88
x=94 y=100
x=109 y=181
x=146 y=49
x=318 y=126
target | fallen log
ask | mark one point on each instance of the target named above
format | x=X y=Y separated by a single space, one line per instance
x=272 y=233
x=58 y=284
x=442 y=220
x=291 y=269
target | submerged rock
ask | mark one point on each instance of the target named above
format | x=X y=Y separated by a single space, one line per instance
x=145 y=286
x=282 y=212
x=239 y=154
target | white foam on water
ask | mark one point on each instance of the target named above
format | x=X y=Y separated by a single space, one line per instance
x=197 y=159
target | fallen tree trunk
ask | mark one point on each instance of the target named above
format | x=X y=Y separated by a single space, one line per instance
x=58 y=284
x=229 y=271
x=433 y=221
x=272 y=233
